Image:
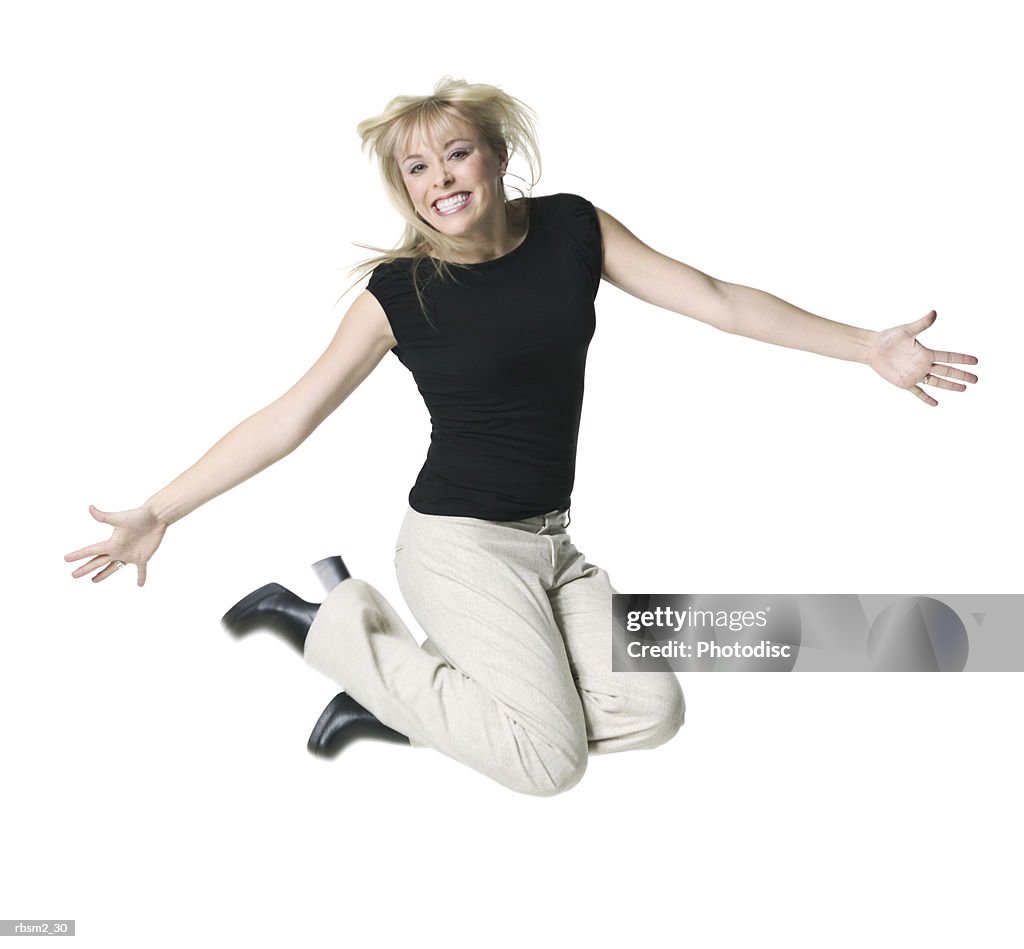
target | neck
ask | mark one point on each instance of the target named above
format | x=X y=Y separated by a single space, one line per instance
x=505 y=234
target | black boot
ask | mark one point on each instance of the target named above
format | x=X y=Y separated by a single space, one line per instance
x=276 y=607
x=273 y=607
x=344 y=720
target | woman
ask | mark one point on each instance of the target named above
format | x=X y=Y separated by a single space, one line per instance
x=489 y=303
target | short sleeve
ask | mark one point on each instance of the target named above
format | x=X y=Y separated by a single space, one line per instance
x=584 y=236
x=391 y=283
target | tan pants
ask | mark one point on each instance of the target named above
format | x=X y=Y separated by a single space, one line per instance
x=515 y=678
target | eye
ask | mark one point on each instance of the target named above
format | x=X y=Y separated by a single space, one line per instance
x=459 y=151
x=412 y=170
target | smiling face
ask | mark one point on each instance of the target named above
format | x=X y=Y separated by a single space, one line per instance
x=454 y=181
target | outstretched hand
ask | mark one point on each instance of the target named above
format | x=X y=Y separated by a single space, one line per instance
x=137 y=534
x=899 y=358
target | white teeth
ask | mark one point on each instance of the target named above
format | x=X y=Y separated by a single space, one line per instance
x=447 y=204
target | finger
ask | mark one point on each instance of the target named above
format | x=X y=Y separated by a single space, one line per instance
x=950 y=373
x=85 y=552
x=142 y=575
x=932 y=379
x=940 y=356
x=923 y=396
x=109 y=569
x=919 y=326
x=94 y=564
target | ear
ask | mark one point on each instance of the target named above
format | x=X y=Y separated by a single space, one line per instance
x=502 y=161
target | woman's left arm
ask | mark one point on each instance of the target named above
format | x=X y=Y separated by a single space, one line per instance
x=895 y=354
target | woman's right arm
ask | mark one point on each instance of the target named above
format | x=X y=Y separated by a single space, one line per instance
x=361 y=342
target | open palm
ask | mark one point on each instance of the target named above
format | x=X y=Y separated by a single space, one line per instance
x=137 y=534
x=899 y=358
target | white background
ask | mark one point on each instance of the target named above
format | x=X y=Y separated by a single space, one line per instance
x=182 y=189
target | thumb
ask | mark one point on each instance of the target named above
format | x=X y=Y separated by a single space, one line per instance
x=142 y=575
x=919 y=326
x=101 y=516
x=113 y=518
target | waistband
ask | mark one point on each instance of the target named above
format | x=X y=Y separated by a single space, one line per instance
x=553 y=522
x=542 y=523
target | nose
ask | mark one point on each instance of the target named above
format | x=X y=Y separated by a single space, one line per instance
x=444 y=176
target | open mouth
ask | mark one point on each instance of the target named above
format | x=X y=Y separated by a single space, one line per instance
x=451 y=204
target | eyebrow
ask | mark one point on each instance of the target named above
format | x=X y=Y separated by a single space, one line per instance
x=447 y=144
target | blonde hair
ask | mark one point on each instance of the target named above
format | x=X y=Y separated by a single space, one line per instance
x=502 y=121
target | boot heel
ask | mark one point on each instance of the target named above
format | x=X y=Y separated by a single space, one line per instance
x=331 y=571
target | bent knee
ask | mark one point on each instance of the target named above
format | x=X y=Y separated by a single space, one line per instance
x=667 y=712
x=562 y=781
x=550 y=771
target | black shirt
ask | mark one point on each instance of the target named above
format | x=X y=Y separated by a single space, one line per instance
x=500 y=364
